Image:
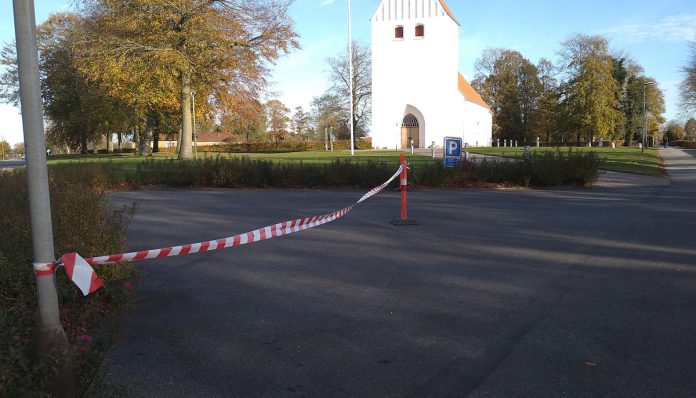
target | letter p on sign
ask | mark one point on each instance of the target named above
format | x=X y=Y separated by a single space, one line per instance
x=452 y=147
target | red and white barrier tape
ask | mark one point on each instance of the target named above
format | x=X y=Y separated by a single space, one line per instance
x=82 y=274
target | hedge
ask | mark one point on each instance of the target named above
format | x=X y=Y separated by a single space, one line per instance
x=82 y=223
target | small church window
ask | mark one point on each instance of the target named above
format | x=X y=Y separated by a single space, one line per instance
x=420 y=30
x=399 y=32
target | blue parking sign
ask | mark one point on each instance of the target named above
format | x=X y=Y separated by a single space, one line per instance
x=452 y=151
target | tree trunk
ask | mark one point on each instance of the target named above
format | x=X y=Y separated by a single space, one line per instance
x=185 y=151
x=118 y=138
x=109 y=144
x=83 y=140
x=136 y=139
x=146 y=136
x=155 y=140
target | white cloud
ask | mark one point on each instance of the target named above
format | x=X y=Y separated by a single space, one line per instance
x=670 y=29
x=327 y=2
x=11 y=124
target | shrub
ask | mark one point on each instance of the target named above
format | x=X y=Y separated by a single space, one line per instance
x=546 y=169
x=541 y=169
x=244 y=172
x=82 y=222
x=684 y=144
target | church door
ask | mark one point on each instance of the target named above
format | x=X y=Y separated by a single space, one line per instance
x=409 y=131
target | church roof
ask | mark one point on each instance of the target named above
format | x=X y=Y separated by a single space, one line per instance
x=448 y=11
x=469 y=93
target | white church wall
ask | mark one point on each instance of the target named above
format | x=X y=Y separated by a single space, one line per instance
x=477 y=124
x=421 y=72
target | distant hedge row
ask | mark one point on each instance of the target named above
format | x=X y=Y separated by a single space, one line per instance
x=543 y=169
x=685 y=144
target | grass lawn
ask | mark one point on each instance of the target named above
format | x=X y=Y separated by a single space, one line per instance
x=127 y=162
x=388 y=157
x=625 y=160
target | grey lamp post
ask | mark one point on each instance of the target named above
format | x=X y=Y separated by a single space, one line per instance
x=195 y=139
x=51 y=332
x=350 y=81
x=645 y=118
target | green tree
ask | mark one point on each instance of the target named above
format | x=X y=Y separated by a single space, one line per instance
x=300 y=123
x=362 y=85
x=219 y=48
x=547 y=119
x=589 y=92
x=72 y=103
x=510 y=85
x=329 y=116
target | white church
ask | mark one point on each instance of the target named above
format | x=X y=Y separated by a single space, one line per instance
x=418 y=94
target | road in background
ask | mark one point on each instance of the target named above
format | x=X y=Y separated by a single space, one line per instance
x=563 y=292
x=11 y=164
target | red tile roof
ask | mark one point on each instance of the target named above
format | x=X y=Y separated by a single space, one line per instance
x=469 y=93
x=447 y=10
x=213 y=137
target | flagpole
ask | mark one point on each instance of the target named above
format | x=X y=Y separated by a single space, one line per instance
x=350 y=79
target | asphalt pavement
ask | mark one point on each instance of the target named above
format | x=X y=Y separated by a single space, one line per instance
x=11 y=164
x=583 y=292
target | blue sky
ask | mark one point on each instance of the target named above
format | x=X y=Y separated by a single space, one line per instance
x=655 y=33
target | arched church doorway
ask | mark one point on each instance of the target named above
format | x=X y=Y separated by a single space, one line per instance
x=410 y=131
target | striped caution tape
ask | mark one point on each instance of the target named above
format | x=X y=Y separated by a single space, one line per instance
x=82 y=274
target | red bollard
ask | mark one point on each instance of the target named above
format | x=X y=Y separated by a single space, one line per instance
x=403 y=182
x=404 y=185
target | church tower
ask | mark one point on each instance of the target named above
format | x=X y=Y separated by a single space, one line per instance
x=418 y=96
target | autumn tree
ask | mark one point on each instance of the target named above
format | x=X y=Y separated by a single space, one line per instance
x=278 y=119
x=690 y=129
x=5 y=149
x=247 y=120
x=339 y=76
x=589 y=92
x=9 y=78
x=644 y=93
x=77 y=109
x=220 y=49
x=19 y=149
x=674 y=131
x=688 y=85
x=510 y=84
